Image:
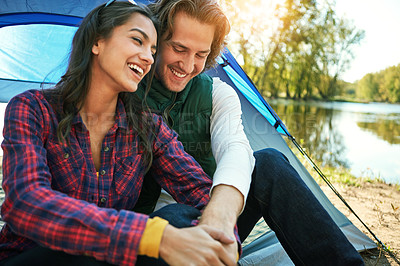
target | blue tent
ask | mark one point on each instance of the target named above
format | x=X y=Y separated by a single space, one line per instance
x=35 y=37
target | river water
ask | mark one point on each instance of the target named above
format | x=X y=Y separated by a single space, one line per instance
x=364 y=138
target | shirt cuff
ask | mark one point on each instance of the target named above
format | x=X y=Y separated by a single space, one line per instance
x=150 y=242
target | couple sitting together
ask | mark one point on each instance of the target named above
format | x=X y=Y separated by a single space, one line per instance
x=85 y=162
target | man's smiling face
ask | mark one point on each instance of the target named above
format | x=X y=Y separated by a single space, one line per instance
x=183 y=57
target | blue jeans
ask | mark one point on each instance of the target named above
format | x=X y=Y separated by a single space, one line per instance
x=177 y=214
x=305 y=230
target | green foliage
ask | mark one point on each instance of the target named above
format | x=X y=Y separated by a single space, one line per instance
x=347 y=90
x=298 y=52
x=383 y=86
x=298 y=49
x=367 y=87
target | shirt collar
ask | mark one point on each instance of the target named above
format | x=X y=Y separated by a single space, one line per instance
x=120 y=115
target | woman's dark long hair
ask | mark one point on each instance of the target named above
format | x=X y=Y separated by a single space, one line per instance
x=73 y=87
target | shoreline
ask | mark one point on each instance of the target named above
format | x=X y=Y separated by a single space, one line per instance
x=378 y=205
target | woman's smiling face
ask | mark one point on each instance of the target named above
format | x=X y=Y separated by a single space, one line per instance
x=123 y=59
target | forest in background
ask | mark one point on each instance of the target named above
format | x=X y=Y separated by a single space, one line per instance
x=298 y=49
x=383 y=86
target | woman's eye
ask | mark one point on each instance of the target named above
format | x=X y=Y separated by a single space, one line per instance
x=139 y=41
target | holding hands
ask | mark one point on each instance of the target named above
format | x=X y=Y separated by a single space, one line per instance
x=199 y=245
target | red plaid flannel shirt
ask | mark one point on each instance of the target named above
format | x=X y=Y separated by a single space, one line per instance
x=54 y=197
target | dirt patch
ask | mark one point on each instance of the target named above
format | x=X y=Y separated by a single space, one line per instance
x=378 y=206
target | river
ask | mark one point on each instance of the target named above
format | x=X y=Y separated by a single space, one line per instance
x=363 y=137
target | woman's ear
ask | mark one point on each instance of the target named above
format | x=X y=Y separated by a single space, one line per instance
x=96 y=47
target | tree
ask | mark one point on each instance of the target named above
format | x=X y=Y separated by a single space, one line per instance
x=381 y=86
x=301 y=51
x=367 y=88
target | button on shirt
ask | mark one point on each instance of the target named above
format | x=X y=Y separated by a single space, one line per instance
x=55 y=198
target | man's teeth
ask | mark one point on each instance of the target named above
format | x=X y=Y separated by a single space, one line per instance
x=136 y=68
x=179 y=75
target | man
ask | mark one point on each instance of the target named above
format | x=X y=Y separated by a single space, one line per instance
x=206 y=114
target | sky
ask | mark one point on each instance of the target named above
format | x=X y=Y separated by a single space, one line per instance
x=381 y=46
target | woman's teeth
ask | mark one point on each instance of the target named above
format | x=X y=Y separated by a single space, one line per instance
x=136 y=68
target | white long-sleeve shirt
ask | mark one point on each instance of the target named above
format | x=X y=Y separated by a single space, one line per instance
x=230 y=146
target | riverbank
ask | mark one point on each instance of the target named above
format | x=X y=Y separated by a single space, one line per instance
x=378 y=205
x=375 y=202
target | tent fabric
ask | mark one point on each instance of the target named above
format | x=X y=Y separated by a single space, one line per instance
x=35 y=41
x=243 y=83
x=34 y=45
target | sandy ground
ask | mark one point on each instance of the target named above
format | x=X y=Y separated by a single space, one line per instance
x=378 y=206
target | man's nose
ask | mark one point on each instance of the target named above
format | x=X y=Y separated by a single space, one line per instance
x=187 y=64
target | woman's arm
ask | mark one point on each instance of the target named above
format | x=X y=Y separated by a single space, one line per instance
x=33 y=210
x=176 y=171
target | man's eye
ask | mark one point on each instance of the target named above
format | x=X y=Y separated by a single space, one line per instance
x=178 y=50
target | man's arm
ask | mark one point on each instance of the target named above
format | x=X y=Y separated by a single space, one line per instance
x=234 y=158
x=223 y=208
x=230 y=146
x=222 y=211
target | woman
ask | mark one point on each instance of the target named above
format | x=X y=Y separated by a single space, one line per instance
x=75 y=157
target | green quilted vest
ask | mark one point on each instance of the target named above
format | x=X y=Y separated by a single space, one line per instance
x=188 y=113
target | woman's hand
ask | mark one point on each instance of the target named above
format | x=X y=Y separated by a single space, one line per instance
x=199 y=245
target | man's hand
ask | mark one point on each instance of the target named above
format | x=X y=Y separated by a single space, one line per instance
x=222 y=211
x=199 y=245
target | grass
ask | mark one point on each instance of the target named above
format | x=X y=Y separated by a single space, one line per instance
x=343 y=176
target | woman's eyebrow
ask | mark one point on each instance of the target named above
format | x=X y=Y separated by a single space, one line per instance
x=141 y=32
